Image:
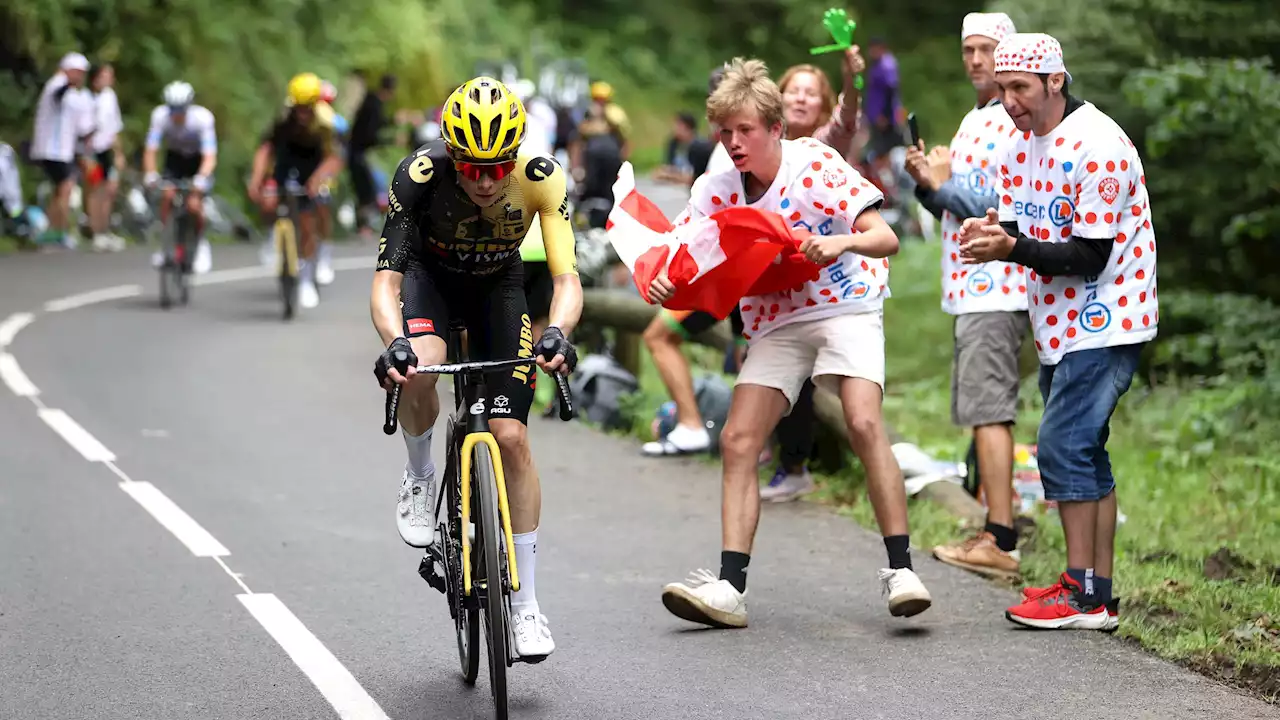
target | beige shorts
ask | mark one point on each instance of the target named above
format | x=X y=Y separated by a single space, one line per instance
x=827 y=350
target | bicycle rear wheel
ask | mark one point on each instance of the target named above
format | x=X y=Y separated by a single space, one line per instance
x=287 y=253
x=485 y=487
x=465 y=610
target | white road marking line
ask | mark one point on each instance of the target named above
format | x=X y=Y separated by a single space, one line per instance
x=119 y=473
x=232 y=275
x=353 y=263
x=91 y=297
x=12 y=325
x=188 y=531
x=76 y=436
x=324 y=670
x=234 y=576
x=13 y=376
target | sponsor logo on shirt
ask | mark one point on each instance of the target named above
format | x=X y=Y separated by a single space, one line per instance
x=980 y=283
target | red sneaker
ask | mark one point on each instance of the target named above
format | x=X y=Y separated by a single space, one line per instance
x=1113 y=605
x=1060 y=607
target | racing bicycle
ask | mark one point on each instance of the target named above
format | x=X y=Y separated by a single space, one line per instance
x=177 y=246
x=286 y=241
x=473 y=563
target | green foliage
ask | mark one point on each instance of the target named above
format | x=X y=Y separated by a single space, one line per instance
x=1215 y=174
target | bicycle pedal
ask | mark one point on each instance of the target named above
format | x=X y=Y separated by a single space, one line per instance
x=427 y=570
x=532 y=660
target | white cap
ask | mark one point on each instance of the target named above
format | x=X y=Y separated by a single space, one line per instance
x=74 y=61
x=1031 y=52
x=996 y=26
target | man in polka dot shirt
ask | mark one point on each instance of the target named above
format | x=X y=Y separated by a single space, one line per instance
x=1074 y=211
x=989 y=301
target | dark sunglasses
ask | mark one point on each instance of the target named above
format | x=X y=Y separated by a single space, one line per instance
x=473 y=171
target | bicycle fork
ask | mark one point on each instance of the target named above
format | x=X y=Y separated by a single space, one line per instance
x=468 y=444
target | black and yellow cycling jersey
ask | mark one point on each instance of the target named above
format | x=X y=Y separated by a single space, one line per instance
x=431 y=219
x=301 y=146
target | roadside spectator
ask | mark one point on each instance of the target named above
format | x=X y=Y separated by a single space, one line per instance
x=63 y=119
x=882 y=102
x=12 y=207
x=601 y=144
x=1074 y=211
x=989 y=301
x=368 y=124
x=670 y=328
x=104 y=148
x=677 y=166
x=812 y=109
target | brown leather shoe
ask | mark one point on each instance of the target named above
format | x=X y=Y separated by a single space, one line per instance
x=980 y=554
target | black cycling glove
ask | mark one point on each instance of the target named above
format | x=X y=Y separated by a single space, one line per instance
x=553 y=343
x=387 y=360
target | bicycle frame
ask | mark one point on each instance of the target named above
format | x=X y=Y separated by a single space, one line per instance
x=471 y=392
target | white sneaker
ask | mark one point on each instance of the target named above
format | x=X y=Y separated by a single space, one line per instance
x=203 y=261
x=531 y=633
x=790 y=487
x=157 y=259
x=680 y=441
x=324 y=265
x=907 y=595
x=703 y=598
x=103 y=243
x=415 y=510
x=308 y=295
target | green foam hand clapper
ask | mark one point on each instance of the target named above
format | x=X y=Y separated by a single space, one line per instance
x=841 y=28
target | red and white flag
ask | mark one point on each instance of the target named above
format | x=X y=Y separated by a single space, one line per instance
x=713 y=261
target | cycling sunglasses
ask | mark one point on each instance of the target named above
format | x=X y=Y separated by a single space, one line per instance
x=473 y=171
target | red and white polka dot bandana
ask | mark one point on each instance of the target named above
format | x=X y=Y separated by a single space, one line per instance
x=1030 y=52
x=996 y=26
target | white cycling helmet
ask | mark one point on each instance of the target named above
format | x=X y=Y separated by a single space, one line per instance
x=178 y=95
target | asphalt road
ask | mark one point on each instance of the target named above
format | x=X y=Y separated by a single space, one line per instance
x=217 y=541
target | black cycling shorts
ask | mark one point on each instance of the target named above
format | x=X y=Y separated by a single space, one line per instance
x=178 y=166
x=494 y=311
x=538 y=288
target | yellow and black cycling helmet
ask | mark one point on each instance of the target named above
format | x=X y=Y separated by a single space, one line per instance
x=304 y=89
x=483 y=122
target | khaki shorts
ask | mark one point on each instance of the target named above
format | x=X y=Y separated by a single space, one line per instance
x=827 y=350
x=984 y=371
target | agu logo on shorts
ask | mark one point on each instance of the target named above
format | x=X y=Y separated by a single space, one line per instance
x=1061 y=210
x=1095 y=317
x=858 y=291
x=980 y=283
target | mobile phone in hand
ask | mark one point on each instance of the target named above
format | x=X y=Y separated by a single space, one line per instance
x=914 y=128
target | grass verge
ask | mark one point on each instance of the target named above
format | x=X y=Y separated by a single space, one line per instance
x=1198 y=559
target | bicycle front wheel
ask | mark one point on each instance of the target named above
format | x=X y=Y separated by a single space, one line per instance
x=485 y=485
x=465 y=610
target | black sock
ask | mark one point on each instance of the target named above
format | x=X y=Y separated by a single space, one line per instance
x=899 y=547
x=1006 y=537
x=1102 y=588
x=1085 y=579
x=733 y=567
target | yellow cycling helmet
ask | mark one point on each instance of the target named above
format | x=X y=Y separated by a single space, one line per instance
x=601 y=90
x=304 y=89
x=483 y=121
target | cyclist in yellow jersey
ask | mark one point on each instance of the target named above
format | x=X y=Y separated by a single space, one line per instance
x=302 y=143
x=460 y=207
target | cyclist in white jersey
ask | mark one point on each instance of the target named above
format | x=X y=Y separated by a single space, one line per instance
x=191 y=152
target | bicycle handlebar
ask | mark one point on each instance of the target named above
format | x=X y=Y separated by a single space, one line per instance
x=483 y=366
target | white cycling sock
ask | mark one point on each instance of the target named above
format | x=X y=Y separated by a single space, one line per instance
x=526 y=559
x=419 y=447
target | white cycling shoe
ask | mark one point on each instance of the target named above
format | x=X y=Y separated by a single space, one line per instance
x=531 y=633
x=415 y=510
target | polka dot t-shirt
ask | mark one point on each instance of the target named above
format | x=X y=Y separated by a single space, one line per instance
x=818 y=191
x=1084 y=179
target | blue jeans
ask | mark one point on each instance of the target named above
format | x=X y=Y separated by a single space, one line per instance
x=1080 y=394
